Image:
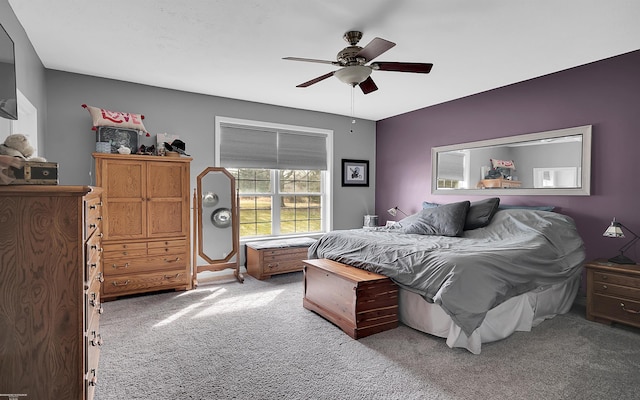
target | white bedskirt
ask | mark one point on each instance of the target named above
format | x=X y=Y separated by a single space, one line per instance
x=519 y=313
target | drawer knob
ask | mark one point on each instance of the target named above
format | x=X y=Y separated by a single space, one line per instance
x=605 y=287
x=93 y=380
x=629 y=311
x=125 y=283
x=97 y=339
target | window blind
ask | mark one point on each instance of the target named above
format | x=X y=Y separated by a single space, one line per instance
x=255 y=147
x=451 y=166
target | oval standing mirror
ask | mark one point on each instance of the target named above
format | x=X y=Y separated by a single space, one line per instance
x=216 y=221
x=545 y=163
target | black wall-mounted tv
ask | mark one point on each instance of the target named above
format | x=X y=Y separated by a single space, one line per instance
x=8 y=92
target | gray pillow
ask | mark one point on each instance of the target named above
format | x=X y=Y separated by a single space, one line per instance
x=444 y=220
x=481 y=212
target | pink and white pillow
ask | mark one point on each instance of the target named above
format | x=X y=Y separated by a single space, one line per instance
x=508 y=164
x=103 y=117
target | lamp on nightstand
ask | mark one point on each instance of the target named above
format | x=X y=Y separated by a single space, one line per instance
x=615 y=231
x=394 y=211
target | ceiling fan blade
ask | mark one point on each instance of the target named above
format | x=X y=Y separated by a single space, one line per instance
x=316 y=80
x=375 y=47
x=368 y=86
x=311 y=60
x=420 y=68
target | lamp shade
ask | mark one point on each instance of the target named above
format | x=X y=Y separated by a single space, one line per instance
x=395 y=210
x=614 y=230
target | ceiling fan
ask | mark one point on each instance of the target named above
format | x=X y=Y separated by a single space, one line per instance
x=353 y=60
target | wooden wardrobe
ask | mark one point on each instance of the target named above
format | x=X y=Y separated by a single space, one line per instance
x=146 y=223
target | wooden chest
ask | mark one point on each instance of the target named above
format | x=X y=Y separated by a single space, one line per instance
x=361 y=303
x=35 y=173
x=276 y=256
x=613 y=292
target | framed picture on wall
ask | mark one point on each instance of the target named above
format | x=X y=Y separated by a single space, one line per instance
x=355 y=172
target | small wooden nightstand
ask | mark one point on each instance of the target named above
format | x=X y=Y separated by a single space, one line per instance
x=613 y=292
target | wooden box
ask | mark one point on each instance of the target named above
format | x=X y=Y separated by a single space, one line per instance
x=36 y=173
x=360 y=302
x=276 y=256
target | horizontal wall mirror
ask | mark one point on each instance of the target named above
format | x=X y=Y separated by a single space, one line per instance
x=545 y=163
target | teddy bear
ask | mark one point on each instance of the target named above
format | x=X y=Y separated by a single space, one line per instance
x=17 y=145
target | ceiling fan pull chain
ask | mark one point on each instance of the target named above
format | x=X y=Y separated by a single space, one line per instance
x=353 y=115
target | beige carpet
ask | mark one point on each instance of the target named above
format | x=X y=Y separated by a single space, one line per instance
x=256 y=341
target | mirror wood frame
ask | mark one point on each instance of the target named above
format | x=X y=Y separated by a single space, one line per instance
x=198 y=248
x=583 y=190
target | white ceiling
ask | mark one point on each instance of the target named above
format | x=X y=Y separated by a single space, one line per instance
x=234 y=48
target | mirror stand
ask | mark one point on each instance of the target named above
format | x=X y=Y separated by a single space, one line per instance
x=216 y=223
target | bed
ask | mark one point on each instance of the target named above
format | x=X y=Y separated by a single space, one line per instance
x=470 y=272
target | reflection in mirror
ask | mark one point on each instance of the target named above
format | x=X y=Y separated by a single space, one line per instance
x=216 y=219
x=545 y=163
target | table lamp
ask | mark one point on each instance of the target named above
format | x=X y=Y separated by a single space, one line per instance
x=394 y=211
x=615 y=231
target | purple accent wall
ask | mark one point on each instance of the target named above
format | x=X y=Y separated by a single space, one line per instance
x=605 y=94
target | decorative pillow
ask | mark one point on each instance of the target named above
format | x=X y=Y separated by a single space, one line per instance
x=481 y=212
x=540 y=208
x=444 y=220
x=102 y=117
x=509 y=164
x=426 y=204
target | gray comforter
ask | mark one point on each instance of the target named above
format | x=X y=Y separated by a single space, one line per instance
x=467 y=276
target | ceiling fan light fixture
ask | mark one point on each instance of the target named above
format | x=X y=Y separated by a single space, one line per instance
x=354 y=74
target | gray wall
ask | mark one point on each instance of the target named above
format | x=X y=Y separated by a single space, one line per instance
x=70 y=140
x=30 y=74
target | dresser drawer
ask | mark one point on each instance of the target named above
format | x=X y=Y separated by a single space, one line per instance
x=124 y=284
x=272 y=267
x=125 y=249
x=611 y=289
x=617 y=309
x=93 y=255
x=618 y=279
x=93 y=215
x=93 y=343
x=285 y=254
x=93 y=306
x=167 y=247
x=131 y=265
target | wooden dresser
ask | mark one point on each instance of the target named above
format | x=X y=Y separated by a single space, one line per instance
x=50 y=274
x=613 y=292
x=146 y=223
x=498 y=183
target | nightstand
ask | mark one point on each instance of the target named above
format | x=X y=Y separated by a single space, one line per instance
x=613 y=292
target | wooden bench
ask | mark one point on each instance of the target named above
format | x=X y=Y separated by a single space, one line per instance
x=360 y=302
x=272 y=257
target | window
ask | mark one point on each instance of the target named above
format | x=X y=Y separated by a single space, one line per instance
x=452 y=170
x=281 y=175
